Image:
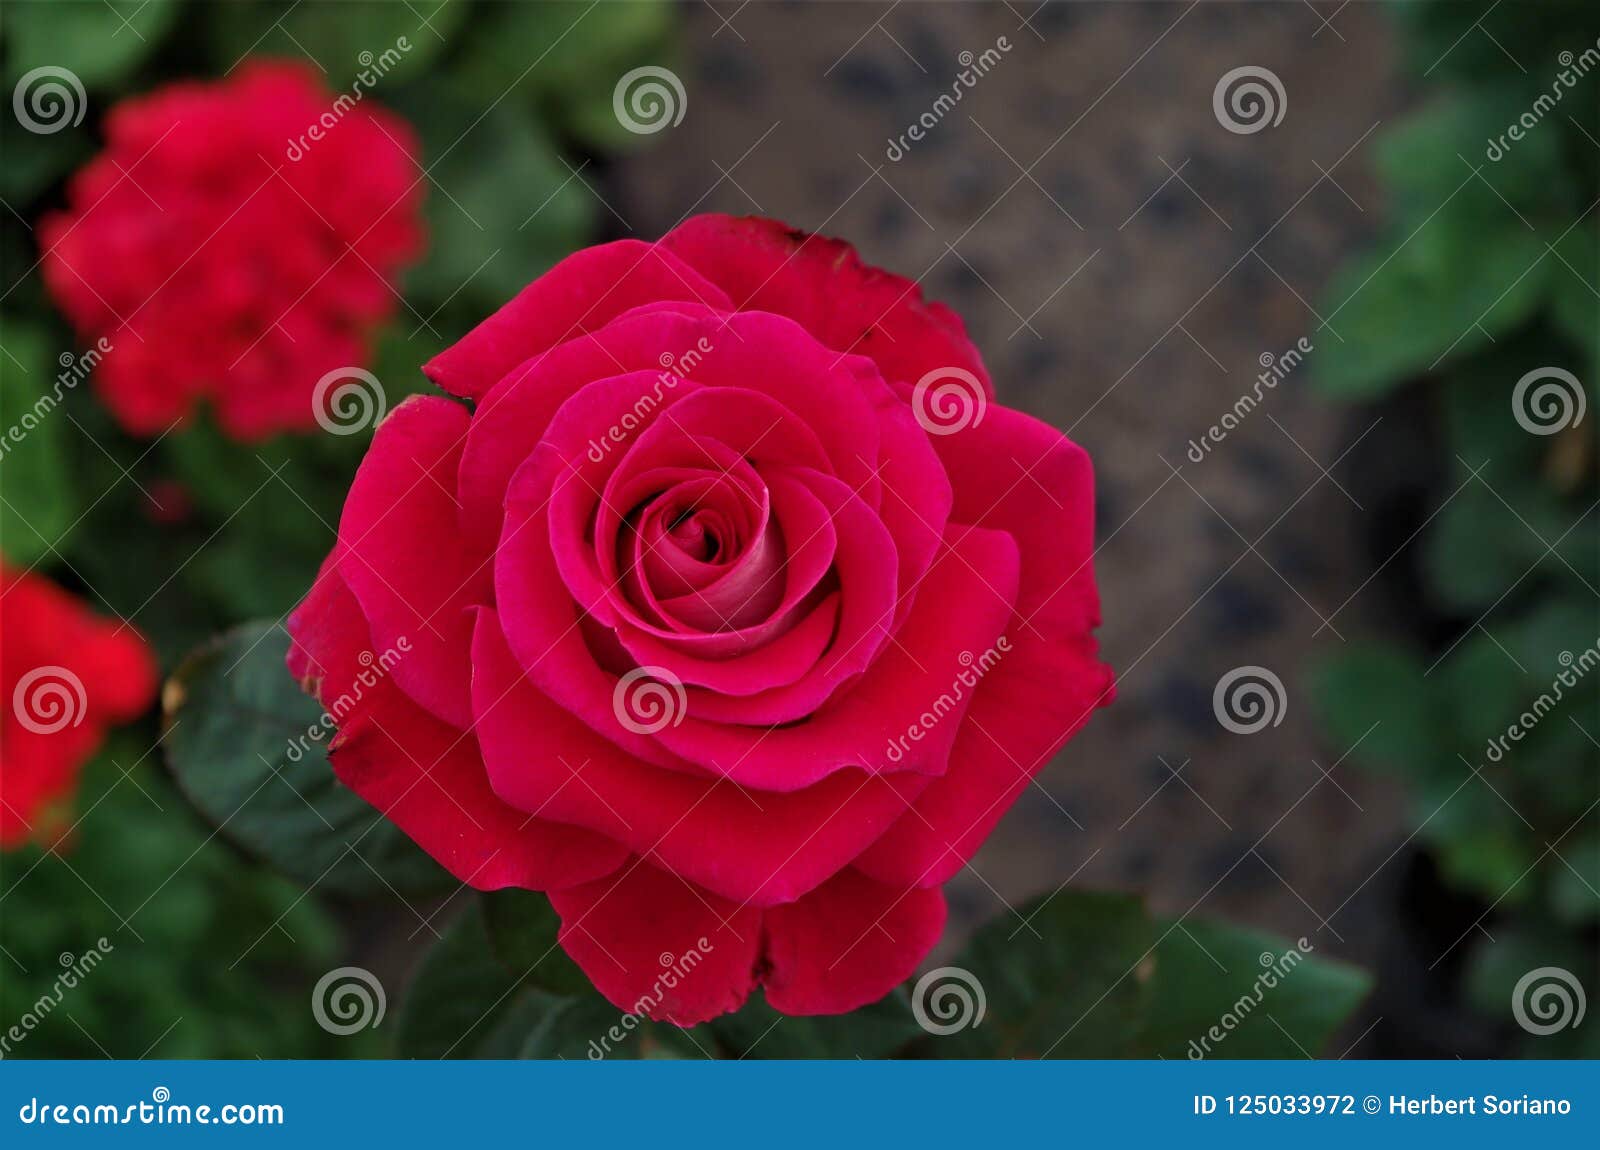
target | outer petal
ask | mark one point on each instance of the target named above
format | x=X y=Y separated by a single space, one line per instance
x=916 y=499
x=760 y=849
x=428 y=779
x=655 y=945
x=847 y=943
x=402 y=556
x=821 y=283
x=328 y=634
x=580 y=294
x=1018 y=475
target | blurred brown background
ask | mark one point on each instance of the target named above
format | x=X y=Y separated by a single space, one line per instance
x=1122 y=261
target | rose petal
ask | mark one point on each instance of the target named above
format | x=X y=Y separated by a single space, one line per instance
x=847 y=943
x=1018 y=475
x=761 y=849
x=656 y=946
x=580 y=294
x=962 y=606
x=821 y=283
x=328 y=635
x=401 y=553
x=428 y=779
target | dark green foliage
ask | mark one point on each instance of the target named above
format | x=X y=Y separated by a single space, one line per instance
x=192 y=535
x=1486 y=276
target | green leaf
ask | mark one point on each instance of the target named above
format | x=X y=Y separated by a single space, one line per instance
x=1374 y=697
x=1467 y=261
x=270 y=511
x=592 y=1028
x=1106 y=981
x=99 y=43
x=567 y=59
x=522 y=928
x=494 y=227
x=1225 y=992
x=1575 y=880
x=248 y=748
x=210 y=957
x=389 y=43
x=880 y=1030
x=1462 y=279
x=1575 y=296
x=1429 y=158
x=1471 y=567
x=1446 y=42
x=1498 y=964
x=485 y=991
x=38 y=501
x=1484 y=435
x=464 y=1002
x=1481 y=845
x=1071 y=983
x=34 y=161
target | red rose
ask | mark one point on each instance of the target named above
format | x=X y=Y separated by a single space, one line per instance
x=226 y=256
x=713 y=629
x=67 y=676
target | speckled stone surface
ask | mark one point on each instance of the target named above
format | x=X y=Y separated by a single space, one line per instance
x=1123 y=261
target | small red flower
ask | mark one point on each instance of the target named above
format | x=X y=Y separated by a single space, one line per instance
x=66 y=677
x=227 y=255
